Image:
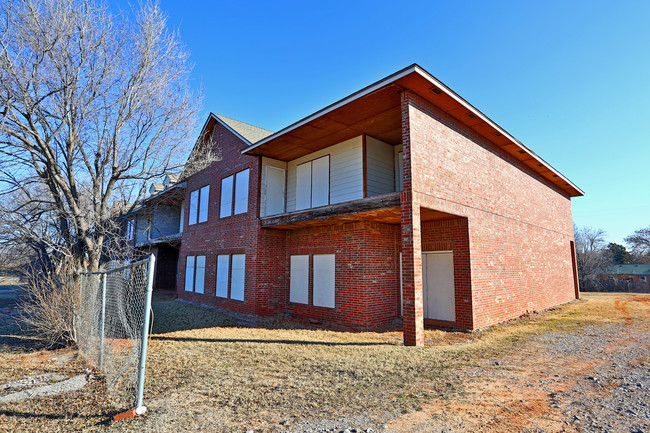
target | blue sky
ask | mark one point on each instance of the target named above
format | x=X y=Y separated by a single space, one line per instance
x=570 y=79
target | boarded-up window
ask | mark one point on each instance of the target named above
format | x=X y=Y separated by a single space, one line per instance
x=313 y=183
x=223 y=264
x=204 y=195
x=299 y=281
x=199 y=279
x=199 y=205
x=241 y=192
x=226 y=196
x=238 y=277
x=274 y=190
x=234 y=194
x=189 y=274
x=194 y=207
x=324 y=280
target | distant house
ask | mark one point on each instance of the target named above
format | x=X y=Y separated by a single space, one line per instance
x=399 y=202
x=631 y=273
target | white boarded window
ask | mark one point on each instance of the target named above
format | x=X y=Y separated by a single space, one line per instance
x=237 y=278
x=194 y=207
x=320 y=181
x=274 y=190
x=313 y=183
x=303 y=186
x=203 y=203
x=226 y=196
x=189 y=274
x=299 y=281
x=241 y=192
x=199 y=279
x=324 y=273
x=223 y=264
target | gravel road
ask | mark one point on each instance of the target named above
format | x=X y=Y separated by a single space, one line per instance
x=589 y=379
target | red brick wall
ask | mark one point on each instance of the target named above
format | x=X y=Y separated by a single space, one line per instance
x=520 y=226
x=367 y=272
x=236 y=234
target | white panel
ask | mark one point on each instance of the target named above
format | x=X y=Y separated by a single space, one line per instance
x=324 y=278
x=380 y=162
x=303 y=186
x=346 y=173
x=238 y=276
x=274 y=190
x=439 y=291
x=194 y=206
x=199 y=280
x=226 y=197
x=399 y=171
x=241 y=192
x=189 y=274
x=223 y=264
x=320 y=181
x=299 y=282
x=203 y=203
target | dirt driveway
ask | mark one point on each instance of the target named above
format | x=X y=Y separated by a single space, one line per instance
x=581 y=367
x=594 y=378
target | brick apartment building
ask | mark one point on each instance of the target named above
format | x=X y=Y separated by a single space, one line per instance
x=399 y=201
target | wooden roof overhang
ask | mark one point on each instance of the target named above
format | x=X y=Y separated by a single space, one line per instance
x=376 y=111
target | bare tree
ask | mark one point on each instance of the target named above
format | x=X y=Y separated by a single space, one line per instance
x=92 y=106
x=590 y=255
x=639 y=243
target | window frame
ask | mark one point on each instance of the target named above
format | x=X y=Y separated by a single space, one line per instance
x=202 y=197
x=310 y=184
x=225 y=290
x=194 y=273
x=234 y=207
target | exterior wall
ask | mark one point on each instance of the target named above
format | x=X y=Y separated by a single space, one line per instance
x=452 y=235
x=346 y=172
x=166 y=221
x=367 y=272
x=520 y=226
x=235 y=234
x=379 y=167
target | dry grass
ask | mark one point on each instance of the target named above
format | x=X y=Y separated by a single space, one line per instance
x=207 y=373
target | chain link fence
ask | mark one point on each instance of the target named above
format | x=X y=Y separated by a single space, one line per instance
x=112 y=325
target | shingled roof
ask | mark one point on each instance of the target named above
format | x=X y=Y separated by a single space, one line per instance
x=251 y=133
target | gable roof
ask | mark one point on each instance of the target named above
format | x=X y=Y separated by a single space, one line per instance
x=626 y=269
x=252 y=134
x=375 y=110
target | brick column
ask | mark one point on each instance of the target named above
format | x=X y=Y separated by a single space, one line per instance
x=412 y=296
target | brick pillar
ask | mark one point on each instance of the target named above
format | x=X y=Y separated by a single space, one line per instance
x=412 y=296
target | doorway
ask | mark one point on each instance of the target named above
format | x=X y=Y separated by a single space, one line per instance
x=438 y=286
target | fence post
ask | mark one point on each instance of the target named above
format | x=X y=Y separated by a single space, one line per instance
x=103 y=322
x=139 y=408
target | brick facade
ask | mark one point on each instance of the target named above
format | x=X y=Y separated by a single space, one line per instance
x=509 y=229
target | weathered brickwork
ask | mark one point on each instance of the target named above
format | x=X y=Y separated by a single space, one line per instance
x=236 y=234
x=367 y=272
x=519 y=225
x=508 y=228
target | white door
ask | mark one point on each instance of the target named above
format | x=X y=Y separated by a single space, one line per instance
x=438 y=282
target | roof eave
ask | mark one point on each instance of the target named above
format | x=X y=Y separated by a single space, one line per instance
x=572 y=189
